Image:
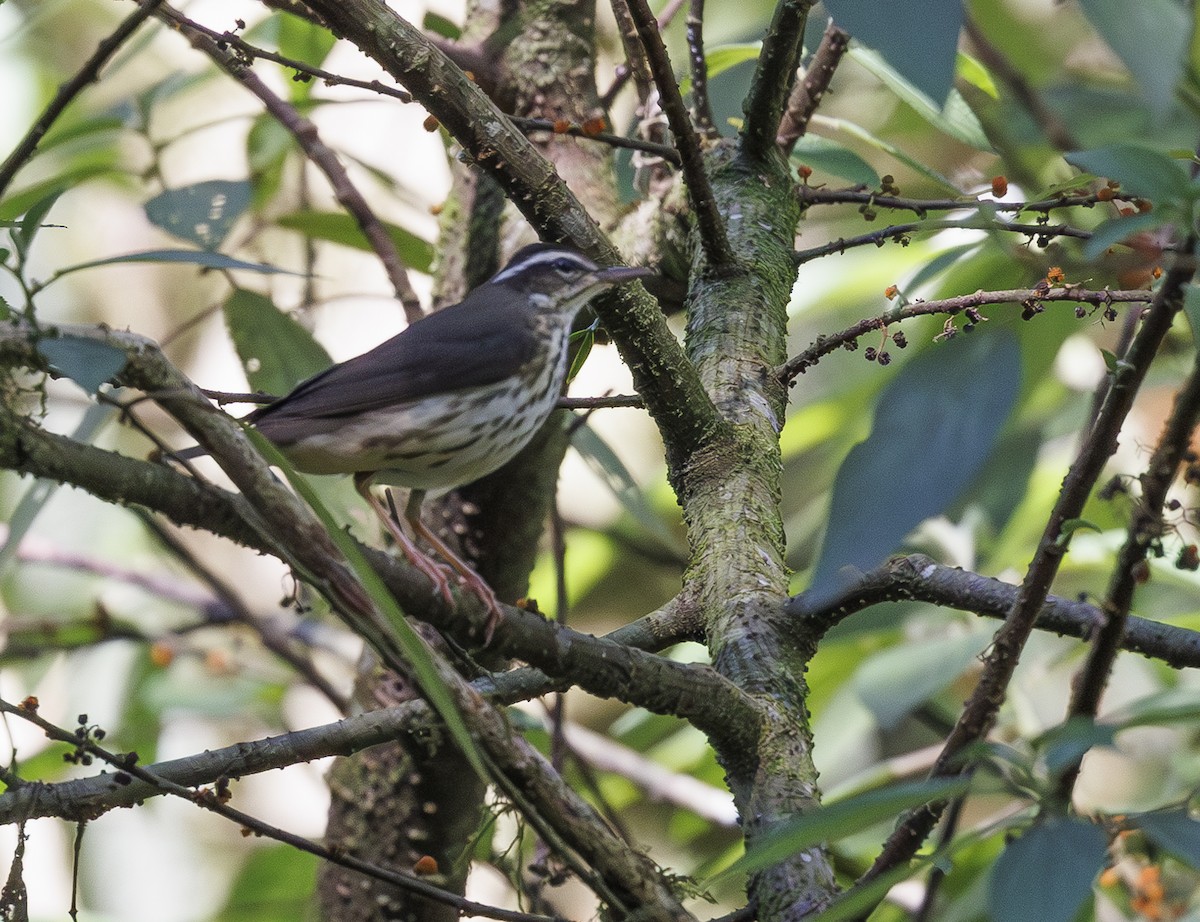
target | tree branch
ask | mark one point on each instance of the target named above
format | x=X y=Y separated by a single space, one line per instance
x=772 y=79
x=807 y=94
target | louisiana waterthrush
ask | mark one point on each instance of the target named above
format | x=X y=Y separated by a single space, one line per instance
x=450 y=399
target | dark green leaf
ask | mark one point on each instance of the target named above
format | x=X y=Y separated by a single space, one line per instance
x=1151 y=38
x=920 y=40
x=336 y=227
x=1140 y=171
x=202 y=213
x=276 y=352
x=935 y=426
x=1047 y=874
x=851 y=128
x=1066 y=744
x=87 y=362
x=826 y=156
x=1174 y=831
x=940 y=264
x=196 y=257
x=582 y=342
x=721 y=58
x=828 y=824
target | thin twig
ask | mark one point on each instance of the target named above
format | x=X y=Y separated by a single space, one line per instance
x=636 y=66
x=1001 y=67
x=234 y=40
x=701 y=104
x=981 y=709
x=68 y=91
x=824 y=345
x=1145 y=531
x=216 y=802
x=597 y=403
x=807 y=94
x=813 y=195
x=899 y=233
x=309 y=139
x=717 y=251
x=664 y=151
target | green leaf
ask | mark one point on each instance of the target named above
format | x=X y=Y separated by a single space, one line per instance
x=1151 y=38
x=415 y=252
x=919 y=40
x=721 y=58
x=1047 y=874
x=954 y=118
x=277 y=353
x=304 y=41
x=276 y=885
x=828 y=156
x=1174 y=831
x=973 y=71
x=857 y=131
x=1191 y=309
x=87 y=362
x=440 y=25
x=202 y=258
x=1140 y=170
x=1065 y=745
x=608 y=467
x=935 y=426
x=582 y=341
x=27 y=227
x=202 y=213
x=836 y=821
x=896 y=681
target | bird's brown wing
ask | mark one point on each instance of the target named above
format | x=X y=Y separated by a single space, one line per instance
x=469 y=345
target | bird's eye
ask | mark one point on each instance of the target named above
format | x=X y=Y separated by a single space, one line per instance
x=566 y=266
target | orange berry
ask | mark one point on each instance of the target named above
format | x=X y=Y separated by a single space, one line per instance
x=999 y=186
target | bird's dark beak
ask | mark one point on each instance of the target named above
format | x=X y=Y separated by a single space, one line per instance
x=615 y=275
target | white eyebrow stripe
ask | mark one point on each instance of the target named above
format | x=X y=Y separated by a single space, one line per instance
x=546 y=256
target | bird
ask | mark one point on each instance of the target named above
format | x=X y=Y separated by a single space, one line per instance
x=450 y=399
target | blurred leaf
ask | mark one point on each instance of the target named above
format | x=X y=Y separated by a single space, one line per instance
x=27 y=228
x=934 y=428
x=1170 y=707
x=1119 y=229
x=440 y=25
x=953 y=118
x=302 y=40
x=828 y=156
x=608 y=467
x=1140 y=170
x=202 y=258
x=18 y=203
x=96 y=128
x=838 y=124
x=1191 y=309
x=1064 y=745
x=836 y=821
x=87 y=362
x=896 y=681
x=1174 y=831
x=202 y=213
x=337 y=227
x=973 y=71
x=1151 y=38
x=277 y=353
x=276 y=885
x=721 y=58
x=1047 y=874
x=940 y=264
x=34 y=499
x=918 y=40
